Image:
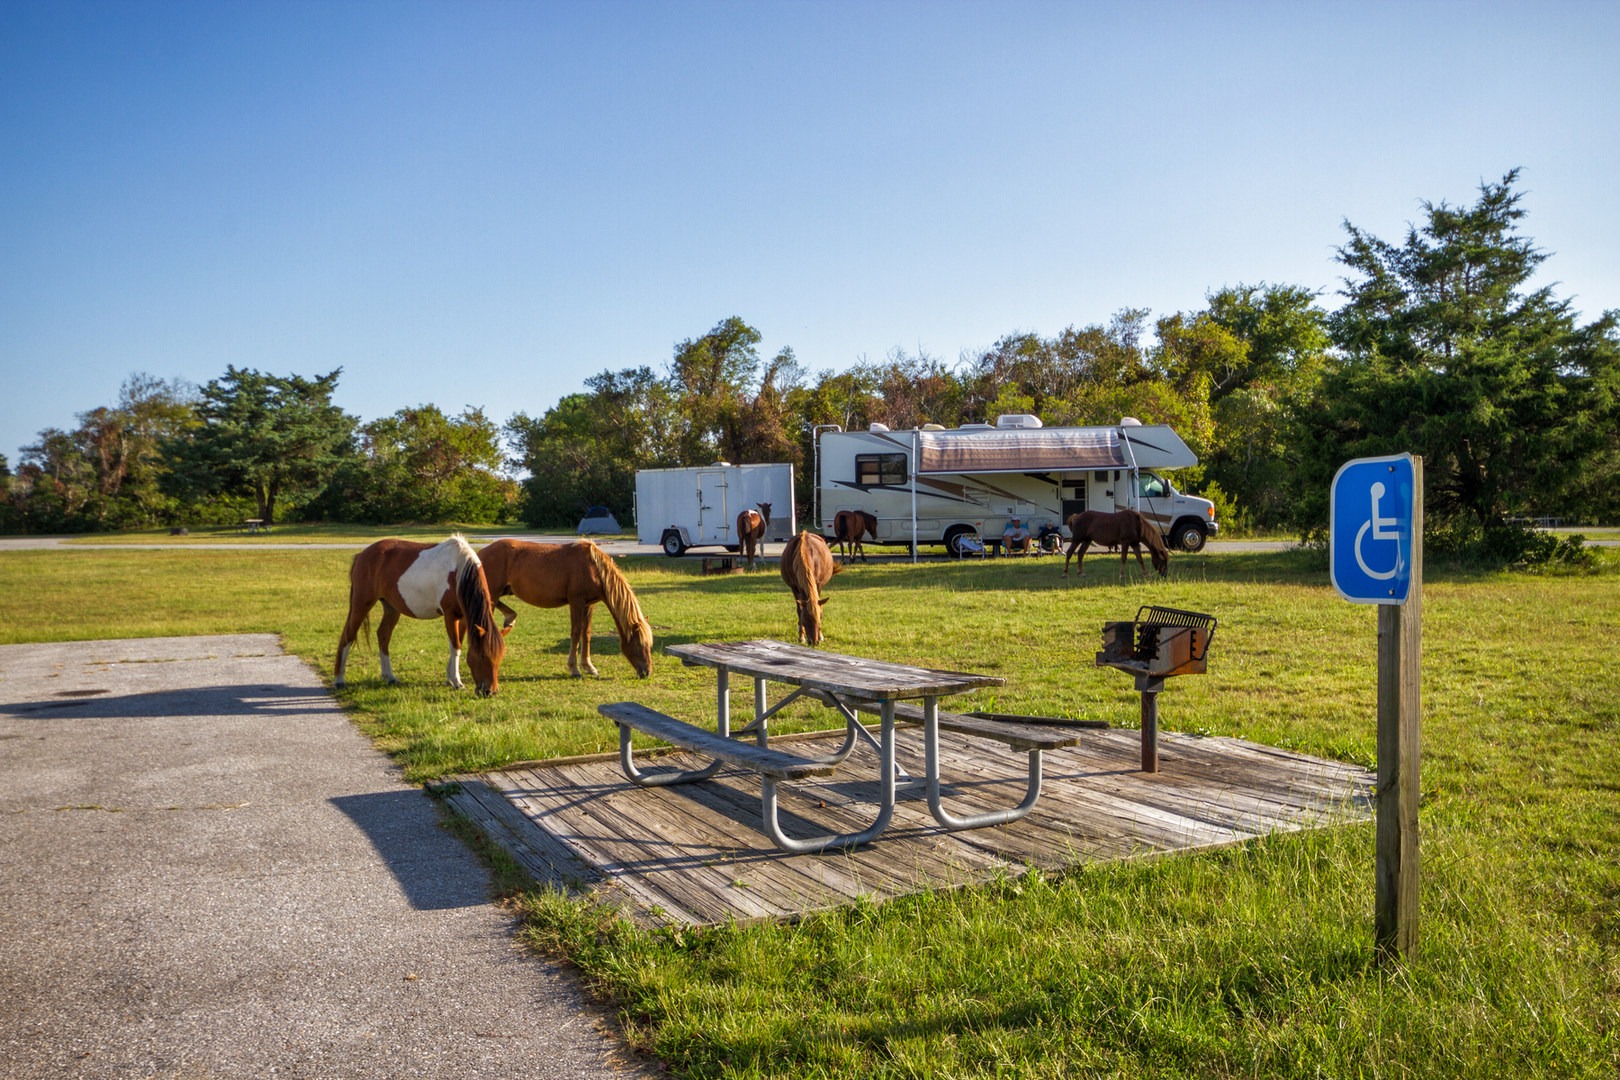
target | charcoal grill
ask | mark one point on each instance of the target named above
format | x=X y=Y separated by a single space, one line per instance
x=1158 y=644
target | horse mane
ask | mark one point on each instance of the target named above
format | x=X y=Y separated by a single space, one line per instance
x=620 y=600
x=476 y=604
x=1151 y=535
x=806 y=571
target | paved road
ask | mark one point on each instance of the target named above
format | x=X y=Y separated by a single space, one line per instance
x=612 y=547
x=205 y=871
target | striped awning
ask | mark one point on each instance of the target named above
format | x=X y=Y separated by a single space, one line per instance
x=1020 y=450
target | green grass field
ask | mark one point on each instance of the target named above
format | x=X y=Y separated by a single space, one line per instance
x=1250 y=961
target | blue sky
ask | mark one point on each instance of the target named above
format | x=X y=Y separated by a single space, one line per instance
x=479 y=203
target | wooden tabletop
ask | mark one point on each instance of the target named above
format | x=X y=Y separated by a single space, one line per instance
x=835 y=673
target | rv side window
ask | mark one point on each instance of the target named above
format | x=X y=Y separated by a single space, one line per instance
x=1153 y=487
x=875 y=469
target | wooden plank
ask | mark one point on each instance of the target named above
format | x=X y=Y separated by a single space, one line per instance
x=681 y=860
x=542 y=855
x=599 y=847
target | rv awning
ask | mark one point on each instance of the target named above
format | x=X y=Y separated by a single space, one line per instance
x=1024 y=450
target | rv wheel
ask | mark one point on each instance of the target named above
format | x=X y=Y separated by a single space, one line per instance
x=953 y=539
x=673 y=545
x=1188 y=536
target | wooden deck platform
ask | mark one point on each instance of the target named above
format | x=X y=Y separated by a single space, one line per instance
x=696 y=854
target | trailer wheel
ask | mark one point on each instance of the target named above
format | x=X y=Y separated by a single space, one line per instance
x=1188 y=536
x=674 y=546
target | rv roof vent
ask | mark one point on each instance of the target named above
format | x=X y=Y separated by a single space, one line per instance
x=1129 y=421
x=1018 y=420
x=977 y=427
x=878 y=427
x=933 y=427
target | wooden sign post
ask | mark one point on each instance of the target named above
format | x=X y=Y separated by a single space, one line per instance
x=1400 y=703
x=1376 y=557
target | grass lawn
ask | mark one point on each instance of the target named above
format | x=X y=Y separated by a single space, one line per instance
x=1250 y=961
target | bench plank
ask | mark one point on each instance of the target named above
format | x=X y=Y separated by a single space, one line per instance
x=773 y=763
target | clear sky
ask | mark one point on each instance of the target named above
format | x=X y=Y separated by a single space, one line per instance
x=483 y=203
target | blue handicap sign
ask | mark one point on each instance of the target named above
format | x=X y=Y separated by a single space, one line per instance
x=1370 y=529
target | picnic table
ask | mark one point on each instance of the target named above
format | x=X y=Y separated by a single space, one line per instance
x=849 y=685
x=253 y=525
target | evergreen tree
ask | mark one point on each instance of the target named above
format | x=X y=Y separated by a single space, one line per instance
x=1446 y=351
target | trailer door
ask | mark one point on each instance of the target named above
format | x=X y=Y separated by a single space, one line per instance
x=713 y=526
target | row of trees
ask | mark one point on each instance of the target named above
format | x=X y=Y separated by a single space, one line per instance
x=254 y=445
x=1441 y=348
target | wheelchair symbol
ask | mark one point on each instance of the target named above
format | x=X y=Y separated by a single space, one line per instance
x=1383 y=528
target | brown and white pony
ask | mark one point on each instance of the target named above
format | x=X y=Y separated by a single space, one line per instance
x=751 y=531
x=1128 y=530
x=849 y=526
x=807 y=565
x=425 y=581
x=579 y=575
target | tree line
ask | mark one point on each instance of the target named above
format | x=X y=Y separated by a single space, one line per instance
x=1440 y=348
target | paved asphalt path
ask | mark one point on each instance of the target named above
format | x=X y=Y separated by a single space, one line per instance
x=612 y=546
x=206 y=871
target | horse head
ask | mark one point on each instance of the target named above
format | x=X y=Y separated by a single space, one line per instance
x=1157 y=550
x=810 y=616
x=637 y=646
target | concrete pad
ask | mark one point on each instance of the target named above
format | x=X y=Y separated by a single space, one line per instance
x=205 y=870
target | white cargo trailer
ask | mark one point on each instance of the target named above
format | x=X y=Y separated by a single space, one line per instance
x=937 y=485
x=698 y=507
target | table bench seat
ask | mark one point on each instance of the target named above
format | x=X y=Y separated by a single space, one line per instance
x=1017 y=736
x=773 y=763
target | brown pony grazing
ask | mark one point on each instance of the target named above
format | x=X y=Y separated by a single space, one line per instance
x=1126 y=529
x=579 y=575
x=848 y=527
x=751 y=531
x=424 y=581
x=807 y=565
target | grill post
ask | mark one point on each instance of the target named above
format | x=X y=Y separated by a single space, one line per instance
x=1149 y=688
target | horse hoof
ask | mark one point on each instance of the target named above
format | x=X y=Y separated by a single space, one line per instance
x=390 y=682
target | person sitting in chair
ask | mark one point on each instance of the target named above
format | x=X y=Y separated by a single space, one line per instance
x=1015 y=537
x=1050 y=538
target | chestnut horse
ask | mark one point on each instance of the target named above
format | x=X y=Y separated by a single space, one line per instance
x=1129 y=530
x=751 y=531
x=577 y=574
x=807 y=565
x=425 y=581
x=849 y=526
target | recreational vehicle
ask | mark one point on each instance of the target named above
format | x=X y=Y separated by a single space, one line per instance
x=952 y=486
x=698 y=507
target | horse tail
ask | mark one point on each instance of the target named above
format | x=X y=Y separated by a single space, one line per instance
x=619 y=597
x=356 y=599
